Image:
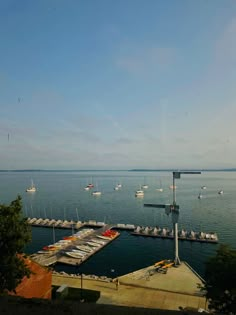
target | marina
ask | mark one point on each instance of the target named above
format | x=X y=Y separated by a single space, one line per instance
x=80 y=246
x=67 y=210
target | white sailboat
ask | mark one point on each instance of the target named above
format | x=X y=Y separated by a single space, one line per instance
x=160 y=189
x=139 y=193
x=32 y=188
x=199 y=196
x=144 y=186
x=96 y=192
x=119 y=185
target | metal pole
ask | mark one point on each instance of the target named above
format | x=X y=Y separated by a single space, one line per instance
x=81 y=289
x=53 y=232
x=175 y=227
x=174 y=192
x=177 y=260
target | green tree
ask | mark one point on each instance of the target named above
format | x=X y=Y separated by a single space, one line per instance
x=15 y=233
x=220 y=278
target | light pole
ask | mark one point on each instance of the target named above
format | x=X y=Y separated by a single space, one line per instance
x=81 y=288
x=174 y=210
x=81 y=282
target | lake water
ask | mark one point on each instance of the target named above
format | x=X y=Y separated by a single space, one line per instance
x=61 y=195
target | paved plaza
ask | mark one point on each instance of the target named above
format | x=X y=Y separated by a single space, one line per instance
x=178 y=288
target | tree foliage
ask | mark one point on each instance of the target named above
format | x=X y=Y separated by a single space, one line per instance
x=15 y=233
x=220 y=278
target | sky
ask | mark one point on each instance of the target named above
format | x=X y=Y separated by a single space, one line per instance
x=88 y=84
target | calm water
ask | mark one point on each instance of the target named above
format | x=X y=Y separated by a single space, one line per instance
x=61 y=195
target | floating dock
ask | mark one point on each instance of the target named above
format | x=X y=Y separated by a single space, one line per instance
x=76 y=225
x=182 y=234
x=77 y=248
x=164 y=233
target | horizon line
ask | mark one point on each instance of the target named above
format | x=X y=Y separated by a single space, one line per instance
x=120 y=170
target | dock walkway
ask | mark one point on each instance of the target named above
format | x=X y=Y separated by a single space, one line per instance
x=59 y=255
x=158 y=232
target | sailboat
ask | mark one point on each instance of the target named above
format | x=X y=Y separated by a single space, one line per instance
x=96 y=192
x=117 y=186
x=160 y=189
x=32 y=188
x=199 y=196
x=144 y=186
x=89 y=186
x=139 y=193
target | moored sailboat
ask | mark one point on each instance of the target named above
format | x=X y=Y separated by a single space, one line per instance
x=160 y=189
x=32 y=188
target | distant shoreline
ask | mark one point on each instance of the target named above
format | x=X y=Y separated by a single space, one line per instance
x=129 y=170
x=192 y=170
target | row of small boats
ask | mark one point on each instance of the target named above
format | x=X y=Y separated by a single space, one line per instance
x=67 y=240
x=86 y=249
x=165 y=232
x=90 y=246
x=138 y=193
x=69 y=244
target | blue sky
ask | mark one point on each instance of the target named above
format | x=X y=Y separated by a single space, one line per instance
x=117 y=84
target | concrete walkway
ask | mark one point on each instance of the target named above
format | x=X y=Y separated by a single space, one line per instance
x=146 y=288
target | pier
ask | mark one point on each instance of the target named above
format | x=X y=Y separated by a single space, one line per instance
x=164 y=233
x=182 y=235
x=93 y=236
x=77 y=248
x=76 y=225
